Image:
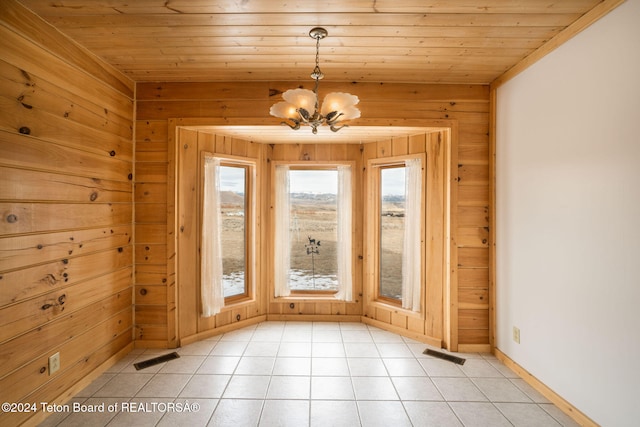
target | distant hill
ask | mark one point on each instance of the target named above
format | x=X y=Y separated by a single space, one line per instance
x=231 y=199
x=314 y=197
x=393 y=198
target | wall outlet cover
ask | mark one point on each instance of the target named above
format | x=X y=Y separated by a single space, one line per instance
x=54 y=363
x=516 y=334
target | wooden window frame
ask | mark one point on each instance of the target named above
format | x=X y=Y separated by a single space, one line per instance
x=315 y=165
x=373 y=206
x=249 y=167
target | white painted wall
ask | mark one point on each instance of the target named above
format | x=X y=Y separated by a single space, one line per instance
x=568 y=218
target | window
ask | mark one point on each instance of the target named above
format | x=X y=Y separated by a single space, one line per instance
x=313 y=206
x=233 y=208
x=313 y=214
x=398 y=227
x=227 y=232
x=391 y=231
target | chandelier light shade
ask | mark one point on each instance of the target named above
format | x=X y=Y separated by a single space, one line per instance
x=300 y=106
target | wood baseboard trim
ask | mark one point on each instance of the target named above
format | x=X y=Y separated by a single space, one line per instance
x=314 y=317
x=151 y=344
x=79 y=386
x=221 y=330
x=474 y=348
x=435 y=342
x=566 y=407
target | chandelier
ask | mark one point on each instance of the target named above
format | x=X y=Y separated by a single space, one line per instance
x=300 y=106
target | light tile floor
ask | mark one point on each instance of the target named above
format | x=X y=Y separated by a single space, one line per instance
x=309 y=374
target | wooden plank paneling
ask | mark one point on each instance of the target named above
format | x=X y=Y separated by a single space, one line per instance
x=315 y=304
x=35 y=60
x=37 y=279
x=473 y=277
x=391 y=42
x=473 y=195
x=26 y=347
x=151 y=192
x=25 y=250
x=84 y=356
x=473 y=257
x=26 y=94
x=473 y=216
x=43 y=217
x=473 y=319
x=471 y=298
x=34 y=153
x=151 y=295
x=151 y=233
x=151 y=254
x=22 y=21
x=162 y=100
x=20 y=382
x=430 y=320
x=473 y=237
x=20 y=184
x=27 y=314
x=154 y=213
x=66 y=195
x=187 y=229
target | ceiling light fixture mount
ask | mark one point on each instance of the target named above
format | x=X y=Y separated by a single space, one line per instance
x=300 y=106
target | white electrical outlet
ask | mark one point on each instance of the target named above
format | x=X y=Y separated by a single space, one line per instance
x=54 y=363
x=516 y=334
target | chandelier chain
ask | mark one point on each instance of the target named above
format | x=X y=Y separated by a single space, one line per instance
x=318 y=55
x=317 y=73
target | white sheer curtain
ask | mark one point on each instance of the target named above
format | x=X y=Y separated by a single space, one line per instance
x=282 y=250
x=211 y=288
x=411 y=262
x=344 y=234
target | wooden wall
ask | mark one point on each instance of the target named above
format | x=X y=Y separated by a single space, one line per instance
x=66 y=230
x=188 y=222
x=293 y=307
x=463 y=108
x=432 y=323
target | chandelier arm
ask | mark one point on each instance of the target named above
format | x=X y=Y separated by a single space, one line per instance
x=295 y=126
x=335 y=119
x=337 y=128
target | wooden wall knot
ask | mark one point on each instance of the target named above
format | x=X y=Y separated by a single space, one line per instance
x=58 y=303
x=25 y=130
x=25 y=105
x=11 y=218
x=93 y=196
x=50 y=279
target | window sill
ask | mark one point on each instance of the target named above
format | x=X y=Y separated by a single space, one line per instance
x=397 y=309
x=235 y=303
x=309 y=298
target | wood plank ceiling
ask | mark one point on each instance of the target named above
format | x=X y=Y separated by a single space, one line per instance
x=369 y=41
x=409 y=41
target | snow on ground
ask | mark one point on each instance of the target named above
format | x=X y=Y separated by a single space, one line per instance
x=298 y=280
